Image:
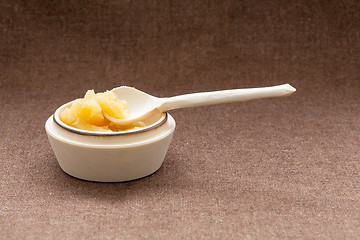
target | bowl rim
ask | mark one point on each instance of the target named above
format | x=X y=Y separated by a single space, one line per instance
x=60 y=123
x=52 y=130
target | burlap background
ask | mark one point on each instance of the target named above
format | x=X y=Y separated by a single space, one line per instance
x=276 y=168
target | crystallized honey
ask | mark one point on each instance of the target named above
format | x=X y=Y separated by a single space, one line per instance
x=88 y=113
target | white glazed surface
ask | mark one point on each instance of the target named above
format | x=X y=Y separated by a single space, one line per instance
x=143 y=106
x=110 y=158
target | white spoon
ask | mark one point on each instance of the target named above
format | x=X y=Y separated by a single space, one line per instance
x=147 y=108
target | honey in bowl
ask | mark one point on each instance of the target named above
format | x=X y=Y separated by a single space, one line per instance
x=88 y=113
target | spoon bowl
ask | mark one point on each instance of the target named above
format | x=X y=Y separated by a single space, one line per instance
x=142 y=106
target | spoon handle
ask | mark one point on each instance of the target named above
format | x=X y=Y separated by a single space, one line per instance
x=225 y=96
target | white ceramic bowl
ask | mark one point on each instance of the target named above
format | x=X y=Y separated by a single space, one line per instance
x=111 y=158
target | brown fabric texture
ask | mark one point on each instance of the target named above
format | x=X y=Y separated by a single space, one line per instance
x=284 y=168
